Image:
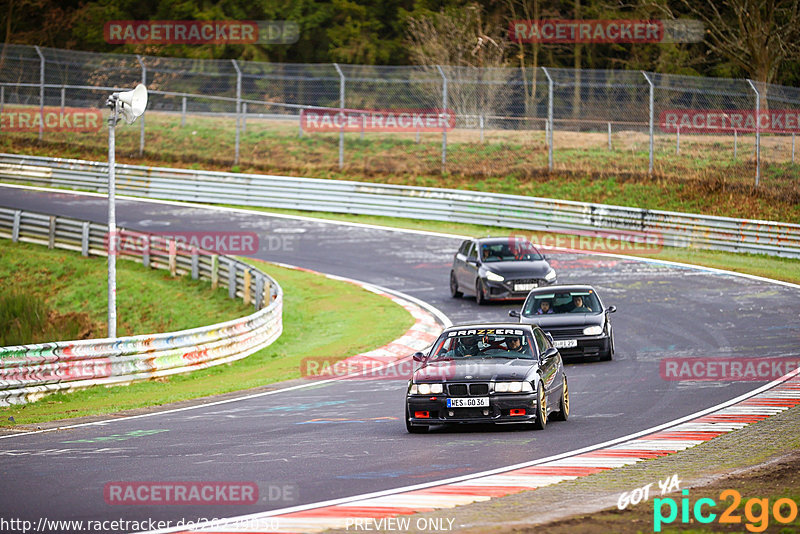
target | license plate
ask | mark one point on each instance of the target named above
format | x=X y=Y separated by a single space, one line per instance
x=468 y=402
x=525 y=287
x=565 y=343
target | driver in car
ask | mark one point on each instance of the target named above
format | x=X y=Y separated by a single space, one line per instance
x=467 y=346
x=577 y=305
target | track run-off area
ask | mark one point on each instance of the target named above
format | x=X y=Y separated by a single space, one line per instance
x=330 y=440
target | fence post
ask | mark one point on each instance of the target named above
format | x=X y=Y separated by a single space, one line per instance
x=481 y=121
x=259 y=292
x=195 y=264
x=51 y=237
x=183 y=111
x=650 y=83
x=232 y=279
x=609 y=135
x=63 y=96
x=758 y=130
x=214 y=271
x=41 y=92
x=238 y=108
x=549 y=119
x=146 y=252
x=85 y=239
x=244 y=117
x=173 y=257
x=444 y=111
x=300 y=124
x=15 y=226
x=246 y=291
x=141 y=124
x=341 y=106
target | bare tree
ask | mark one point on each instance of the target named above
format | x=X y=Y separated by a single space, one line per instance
x=469 y=49
x=756 y=35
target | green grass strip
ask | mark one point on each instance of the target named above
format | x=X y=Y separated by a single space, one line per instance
x=321 y=318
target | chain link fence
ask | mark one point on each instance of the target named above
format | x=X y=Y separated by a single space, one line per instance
x=508 y=121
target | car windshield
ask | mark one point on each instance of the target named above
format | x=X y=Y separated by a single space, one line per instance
x=511 y=250
x=584 y=301
x=483 y=344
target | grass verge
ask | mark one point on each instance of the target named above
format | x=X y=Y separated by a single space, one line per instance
x=68 y=285
x=703 y=178
x=322 y=318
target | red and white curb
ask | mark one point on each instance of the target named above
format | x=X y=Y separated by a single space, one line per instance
x=663 y=440
x=428 y=322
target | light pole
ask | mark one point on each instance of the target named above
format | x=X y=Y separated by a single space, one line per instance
x=131 y=104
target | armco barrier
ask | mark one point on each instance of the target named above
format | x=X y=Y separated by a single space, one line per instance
x=28 y=372
x=493 y=209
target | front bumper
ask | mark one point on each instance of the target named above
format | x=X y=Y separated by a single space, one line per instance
x=588 y=347
x=498 y=410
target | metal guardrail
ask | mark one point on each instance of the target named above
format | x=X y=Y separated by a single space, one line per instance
x=491 y=209
x=28 y=372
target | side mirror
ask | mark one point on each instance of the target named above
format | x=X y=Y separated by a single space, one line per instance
x=473 y=261
x=611 y=309
x=549 y=353
x=549 y=337
x=419 y=357
x=514 y=313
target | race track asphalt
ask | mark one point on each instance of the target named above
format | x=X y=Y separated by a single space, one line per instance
x=348 y=437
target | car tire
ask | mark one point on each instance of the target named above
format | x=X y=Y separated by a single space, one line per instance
x=454 y=292
x=480 y=295
x=609 y=354
x=563 y=404
x=414 y=429
x=541 y=408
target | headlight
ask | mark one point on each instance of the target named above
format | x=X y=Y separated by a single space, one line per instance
x=424 y=389
x=436 y=388
x=494 y=277
x=551 y=275
x=413 y=390
x=513 y=387
x=592 y=330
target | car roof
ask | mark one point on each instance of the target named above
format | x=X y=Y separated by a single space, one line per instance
x=506 y=239
x=564 y=289
x=484 y=326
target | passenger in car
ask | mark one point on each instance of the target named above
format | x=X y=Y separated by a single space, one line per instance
x=544 y=308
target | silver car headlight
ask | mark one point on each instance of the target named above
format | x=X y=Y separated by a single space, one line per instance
x=592 y=330
x=551 y=275
x=494 y=277
x=513 y=387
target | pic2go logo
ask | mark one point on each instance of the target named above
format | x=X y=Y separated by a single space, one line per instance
x=756 y=511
